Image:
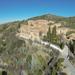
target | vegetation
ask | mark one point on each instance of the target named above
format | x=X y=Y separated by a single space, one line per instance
x=72 y=46
x=61 y=45
x=16 y=51
x=67 y=22
x=52 y=36
x=48 y=17
x=49 y=35
x=70 y=22
x=58 y=66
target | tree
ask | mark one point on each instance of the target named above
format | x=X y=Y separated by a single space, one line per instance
x=71 y=46
x=19 y=25
x=50 y=24
x=61 y=45
x=54 y=31
x=28 y=61
x=49 y=35
x=58 y=66
x=44 y=38
x=54 y=35
x=53 y=71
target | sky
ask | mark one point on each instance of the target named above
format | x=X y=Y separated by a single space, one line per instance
x=11 y=10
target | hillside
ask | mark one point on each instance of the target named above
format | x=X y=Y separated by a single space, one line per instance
x=48 y=17
x=20 y=48
x=70 y=21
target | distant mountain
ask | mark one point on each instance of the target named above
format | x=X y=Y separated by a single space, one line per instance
x=48 y=17
x=70 y=21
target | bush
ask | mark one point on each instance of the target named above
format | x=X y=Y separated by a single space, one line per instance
x=61 y=45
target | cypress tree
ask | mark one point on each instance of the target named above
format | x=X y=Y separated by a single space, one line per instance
x=49 y=35
x=54 y=36
x=54 y=31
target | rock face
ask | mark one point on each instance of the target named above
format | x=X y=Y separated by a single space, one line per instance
x=34 y=29
x=71 y=36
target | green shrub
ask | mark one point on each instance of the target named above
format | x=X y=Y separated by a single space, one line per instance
x=61 y=45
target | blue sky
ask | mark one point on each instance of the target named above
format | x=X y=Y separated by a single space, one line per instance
x=11 y=10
